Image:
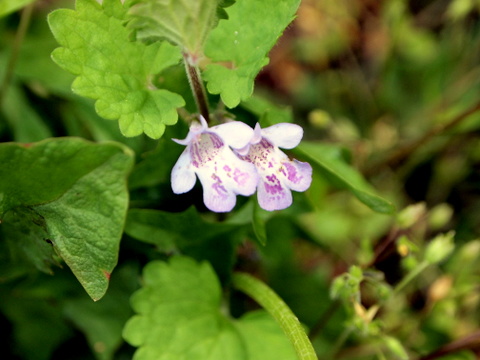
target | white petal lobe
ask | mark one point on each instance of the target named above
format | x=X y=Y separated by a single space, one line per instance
x=183 y=177
x=284 y=135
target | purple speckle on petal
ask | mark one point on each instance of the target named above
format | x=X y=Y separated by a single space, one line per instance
x=276 y=186
x=227 y=168
x=204 y=148
x=292 y=173
x=216 y=141
x=240 y=177
x=218 y=186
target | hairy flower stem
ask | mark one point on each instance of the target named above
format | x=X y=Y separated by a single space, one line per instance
x=22 y=30
x=196 y=84
x=271 y=302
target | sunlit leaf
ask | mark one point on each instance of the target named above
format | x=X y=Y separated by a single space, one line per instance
x=329 y=160
x=239 y=46
x=186 y=296
x=183 y=22
x=112 y=69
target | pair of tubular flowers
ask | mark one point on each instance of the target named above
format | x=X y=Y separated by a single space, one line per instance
x=233 y=159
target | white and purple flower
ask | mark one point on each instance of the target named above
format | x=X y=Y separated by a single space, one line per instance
x=278 y=174
x=208 y=155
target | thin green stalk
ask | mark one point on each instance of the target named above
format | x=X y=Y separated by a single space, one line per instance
x=410 y=276
x=271 y=302
x=196 y=84
x=340 y=341
x=22 y=30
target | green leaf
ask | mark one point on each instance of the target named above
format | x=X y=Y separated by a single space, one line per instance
x=113 y=70
x=243 y=42
x=395 y=346
x=186 y=296
x=258 y=224
x=202 y=240
x=156 y=166
x=9 y=6
x=39 y=327
x=166 y=229
x=329 y=160
x=25 y=234
x=185 y=23
x=78 y=191
x=269 y=113
x=26 y=124
x=102 y=322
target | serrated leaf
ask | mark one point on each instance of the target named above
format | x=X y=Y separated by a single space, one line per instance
x=78 y=189
x=183 y=22
x=186 y=296
x=243 y=42
x=113 y=70
x=329 y=160
x=202 y=240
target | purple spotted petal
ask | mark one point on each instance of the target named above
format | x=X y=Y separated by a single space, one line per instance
x=297 y=174
x=223 y=178
x=273 y=194
x=278 y=175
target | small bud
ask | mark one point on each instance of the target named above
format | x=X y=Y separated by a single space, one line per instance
x=439 y=216
x=405 y=246
x=319 y=118
x=439 y=248
x=440 y=288
x=395 y=347
x=410 y=215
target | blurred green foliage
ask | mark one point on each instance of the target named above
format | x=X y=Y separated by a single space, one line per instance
x=387 y=89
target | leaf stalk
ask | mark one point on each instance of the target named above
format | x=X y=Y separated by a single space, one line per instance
x=196 y=84
x=272 y=303
x=22 y=30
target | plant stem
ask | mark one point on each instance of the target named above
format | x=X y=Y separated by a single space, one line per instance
x=398 y=156
x=271 y=302
x=340 y=341
x=324 y=319
x=22 y=30
x=196 y=84
x=410 y=276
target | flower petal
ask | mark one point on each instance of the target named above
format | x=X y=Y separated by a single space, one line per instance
x=273 y=194
x=235 y=133
x=217 y=196
x=284 y=135
x=183 y=177
x=224 y=178
x=298 y=175
x=195 y=129
x=241 y=176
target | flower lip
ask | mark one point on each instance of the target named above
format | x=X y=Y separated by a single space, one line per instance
x=195 y=130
